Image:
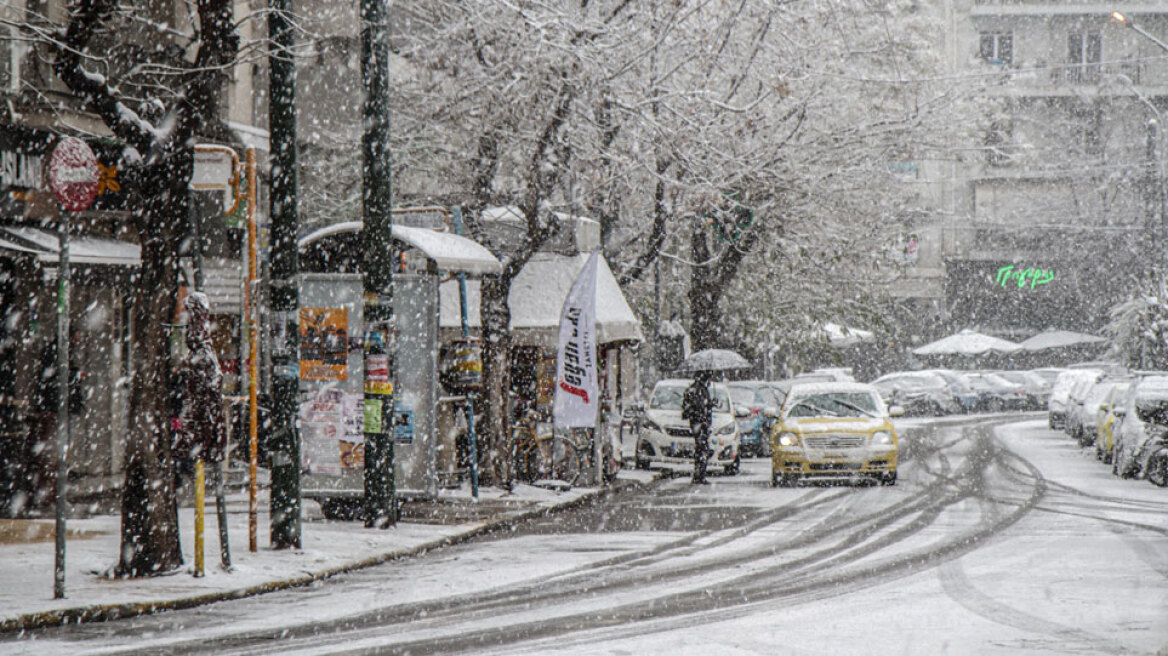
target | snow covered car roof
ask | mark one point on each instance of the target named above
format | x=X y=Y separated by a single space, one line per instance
x=838 y=386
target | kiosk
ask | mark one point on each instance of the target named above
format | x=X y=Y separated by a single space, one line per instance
x=332 y=367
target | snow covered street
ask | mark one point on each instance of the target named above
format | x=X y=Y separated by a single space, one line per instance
x=1001 y=536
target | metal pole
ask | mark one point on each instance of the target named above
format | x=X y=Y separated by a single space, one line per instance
x=63 y=274
x=253 y=365
x=200 y=481
x=472 y=446
x=377 y=266
x=285 y=452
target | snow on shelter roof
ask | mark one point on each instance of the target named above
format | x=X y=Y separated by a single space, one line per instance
x=450 y=252
x=537 y=296
x=83 y=249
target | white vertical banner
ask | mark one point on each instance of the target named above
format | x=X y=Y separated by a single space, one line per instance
x=576 y=401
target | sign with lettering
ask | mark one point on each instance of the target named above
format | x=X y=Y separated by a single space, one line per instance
x=1023 y=278
x=74 y=176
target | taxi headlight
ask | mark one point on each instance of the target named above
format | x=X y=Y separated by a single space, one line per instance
x=788 y=439
x=728 y=429
x=882 y=438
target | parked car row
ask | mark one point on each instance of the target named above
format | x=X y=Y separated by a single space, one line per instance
x=1122 y=416
x=934 y=392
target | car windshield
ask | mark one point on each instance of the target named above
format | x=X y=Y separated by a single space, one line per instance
x=743 y=395
x=668 y=397
x=833 y=404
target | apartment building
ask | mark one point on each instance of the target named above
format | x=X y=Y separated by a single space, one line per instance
x=1053 y=210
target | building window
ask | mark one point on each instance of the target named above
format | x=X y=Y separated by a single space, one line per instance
x=997 y=48
x=1085 y=48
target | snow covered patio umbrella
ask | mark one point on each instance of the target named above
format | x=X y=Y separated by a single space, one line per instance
x=967 y=342
x=844 y=336
x=1053 y=339
x=713 y=360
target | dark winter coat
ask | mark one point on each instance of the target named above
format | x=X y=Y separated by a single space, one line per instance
x=696 y=403
x=204 y=429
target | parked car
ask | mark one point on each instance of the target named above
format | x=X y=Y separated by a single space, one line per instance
x=959 y=388
x=995 y=394
x=1077 y=415
x=825 y=375
x=1109 y=420
x=839 y=430
x=1092 y=410
x=918 y=392
x=755 y=396
x=666 y=438
x=1049 y=374
x=1060 y=393
x=1141 y=442
x=1034 y=387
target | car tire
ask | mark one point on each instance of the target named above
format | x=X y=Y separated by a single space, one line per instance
x=995 y=405
x=888 y=479
x=641 y=464
x=733 y=468
x=1107 y=457
x=783 y=480
x=1158 y=469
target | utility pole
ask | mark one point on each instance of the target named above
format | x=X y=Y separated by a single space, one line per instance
x=377 y=267
x=285 y=452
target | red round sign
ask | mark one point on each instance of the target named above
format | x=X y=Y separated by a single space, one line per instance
x=73 y=174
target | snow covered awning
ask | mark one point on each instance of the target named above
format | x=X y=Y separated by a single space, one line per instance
x=83 y=249
x=537 y=296
x=450 y=252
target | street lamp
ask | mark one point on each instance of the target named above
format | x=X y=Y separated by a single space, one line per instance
x=1118 y=17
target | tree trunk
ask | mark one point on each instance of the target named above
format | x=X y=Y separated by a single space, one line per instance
x=704 y=292
x=149 y=531
x=497 y=450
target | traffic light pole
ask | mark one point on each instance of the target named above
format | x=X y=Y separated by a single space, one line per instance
x=285 y=452
x=377 y=267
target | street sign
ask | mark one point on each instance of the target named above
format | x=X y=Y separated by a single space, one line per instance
x=73 y=174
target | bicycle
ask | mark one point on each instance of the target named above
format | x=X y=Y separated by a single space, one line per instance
x=541 y=455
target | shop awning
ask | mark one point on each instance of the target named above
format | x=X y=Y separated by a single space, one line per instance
x=83 y=248
x=537 y=296
x=450 y=252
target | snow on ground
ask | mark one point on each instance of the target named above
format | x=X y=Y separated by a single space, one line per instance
x=27 y=564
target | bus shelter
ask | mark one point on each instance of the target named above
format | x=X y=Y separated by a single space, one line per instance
x=332 y=372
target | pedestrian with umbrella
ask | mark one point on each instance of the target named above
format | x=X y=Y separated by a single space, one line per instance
x=697 y=407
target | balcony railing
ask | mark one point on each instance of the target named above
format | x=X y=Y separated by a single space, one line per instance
x=1095 y=73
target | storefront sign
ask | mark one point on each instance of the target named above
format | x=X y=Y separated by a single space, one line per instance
x=1030 y=277
x=25 y=158
x=324 y=344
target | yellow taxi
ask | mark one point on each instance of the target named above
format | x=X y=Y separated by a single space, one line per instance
x=838 y=430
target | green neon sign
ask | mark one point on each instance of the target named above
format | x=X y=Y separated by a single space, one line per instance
x=1030 y=276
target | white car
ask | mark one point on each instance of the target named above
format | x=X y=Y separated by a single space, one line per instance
x=666 y=438
x=1143 y=427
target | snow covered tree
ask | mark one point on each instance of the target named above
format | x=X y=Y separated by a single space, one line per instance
x=1139 y=331
x=156 y=85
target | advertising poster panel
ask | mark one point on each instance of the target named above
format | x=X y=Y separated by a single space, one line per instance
x=324 y=343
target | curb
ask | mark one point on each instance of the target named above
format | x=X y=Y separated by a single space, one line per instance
x=107 y=612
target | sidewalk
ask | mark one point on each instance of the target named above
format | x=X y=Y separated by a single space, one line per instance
x=329 y=548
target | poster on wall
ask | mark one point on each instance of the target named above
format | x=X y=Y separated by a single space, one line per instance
x=324 y=344
x=321 y=427
x=352 y=442
x=330 y=432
